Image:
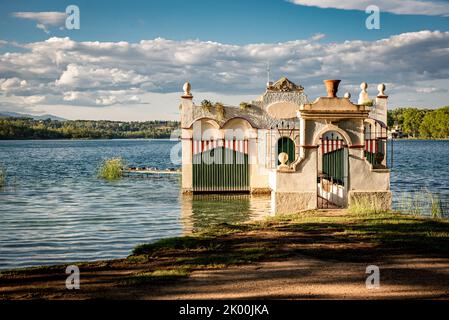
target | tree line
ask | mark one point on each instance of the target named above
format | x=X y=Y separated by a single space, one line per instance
x=27 y=128
x=421 y=123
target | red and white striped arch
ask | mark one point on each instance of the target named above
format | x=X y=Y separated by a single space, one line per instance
x=200 y=146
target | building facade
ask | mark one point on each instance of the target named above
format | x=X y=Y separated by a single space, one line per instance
x=328 y=153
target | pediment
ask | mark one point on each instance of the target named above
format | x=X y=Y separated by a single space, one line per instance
x=285 y=85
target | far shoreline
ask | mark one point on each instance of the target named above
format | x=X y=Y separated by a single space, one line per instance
x=178 y=139
x=92 y=139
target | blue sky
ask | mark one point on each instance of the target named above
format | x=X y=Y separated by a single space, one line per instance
x=231 y=21
x=113 y=66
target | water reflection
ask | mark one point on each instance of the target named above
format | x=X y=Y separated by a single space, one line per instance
x=201 y=211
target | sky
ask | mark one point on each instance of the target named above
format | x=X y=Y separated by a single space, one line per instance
x=129 y=59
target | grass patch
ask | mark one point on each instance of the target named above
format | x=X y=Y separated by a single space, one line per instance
x=176 y=243
x=157 y=275
x=366 y=205
x=2 y=177
x=111 y=169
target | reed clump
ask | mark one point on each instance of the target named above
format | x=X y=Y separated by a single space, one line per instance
x=2 y=177
x=421 y=202
x=366 y=205
x=111 y=169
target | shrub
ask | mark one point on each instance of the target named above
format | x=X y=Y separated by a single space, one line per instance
x=244 y=105
x=220 y=110
x=206 y=105
x=368 y=103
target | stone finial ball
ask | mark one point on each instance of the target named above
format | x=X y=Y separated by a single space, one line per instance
x=347 y=95
x=187 y=87
x=381 y=88
x=283 y=158
x=364 y=86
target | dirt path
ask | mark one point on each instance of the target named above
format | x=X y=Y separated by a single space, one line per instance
x=305 y=278
x=294 y=278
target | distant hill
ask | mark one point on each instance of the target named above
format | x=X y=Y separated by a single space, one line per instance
x=10 y=114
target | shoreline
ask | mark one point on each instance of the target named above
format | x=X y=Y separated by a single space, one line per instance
x=87 y=139
x=314 y=253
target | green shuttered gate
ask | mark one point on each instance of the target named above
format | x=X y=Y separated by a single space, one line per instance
x=220 y=166
x=334 y=158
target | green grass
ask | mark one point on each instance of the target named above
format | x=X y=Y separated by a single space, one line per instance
x=111 y=169
x=178 y=243
x=366 y=205
x=157 y=275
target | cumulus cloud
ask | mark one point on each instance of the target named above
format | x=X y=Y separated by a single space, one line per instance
x=99 y=74
x=44 y=19
x=410 y=7
x=11 y=84
x=84 y=77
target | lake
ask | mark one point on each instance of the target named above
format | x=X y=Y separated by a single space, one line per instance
x=55 y=210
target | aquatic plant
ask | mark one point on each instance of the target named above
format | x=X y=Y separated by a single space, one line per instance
x=2 y=177
x=111 y=169
x=421 y=202
x=435 y=206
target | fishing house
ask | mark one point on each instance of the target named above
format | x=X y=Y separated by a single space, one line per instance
x=307 y=155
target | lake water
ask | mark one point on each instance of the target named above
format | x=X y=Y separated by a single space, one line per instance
x=55 y=210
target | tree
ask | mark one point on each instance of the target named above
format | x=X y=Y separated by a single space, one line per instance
x=412 y=119
x=435 y=124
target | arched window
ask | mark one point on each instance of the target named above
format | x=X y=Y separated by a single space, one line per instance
x=288 y=146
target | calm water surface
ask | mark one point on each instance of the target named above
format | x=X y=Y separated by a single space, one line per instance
x=54 y=209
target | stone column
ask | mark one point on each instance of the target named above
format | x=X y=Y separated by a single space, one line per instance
x=186 y=136
x=381 y=104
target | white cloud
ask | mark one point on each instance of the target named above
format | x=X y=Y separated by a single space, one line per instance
x=409 y=7
x=44 y=19
x=12 y=84
x=34 y=99
x=105 y=74
x=76 y=77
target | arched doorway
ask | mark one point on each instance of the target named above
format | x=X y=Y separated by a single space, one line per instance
x=220 y=157
x=333 y=166
x=286 y=145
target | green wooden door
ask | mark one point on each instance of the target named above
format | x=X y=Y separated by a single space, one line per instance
x=288 y=146
x=333 y=166
x=220 y=170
